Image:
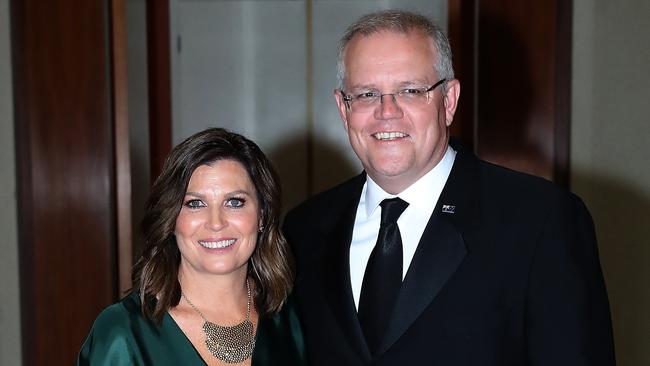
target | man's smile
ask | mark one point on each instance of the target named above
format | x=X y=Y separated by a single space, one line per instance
x=389 y=135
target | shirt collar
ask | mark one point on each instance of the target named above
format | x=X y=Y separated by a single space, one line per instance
x=417 y=194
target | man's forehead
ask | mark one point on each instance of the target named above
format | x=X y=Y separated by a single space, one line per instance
x=390 y=59
x=386 y=45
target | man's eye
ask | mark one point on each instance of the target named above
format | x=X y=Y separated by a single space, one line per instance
x=411 y=91
x=367 y=95
x=194 y=203
x=235 y=202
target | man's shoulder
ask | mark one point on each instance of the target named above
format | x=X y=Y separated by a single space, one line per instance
x=523 y=195
x=496 y=180
x=504 y=181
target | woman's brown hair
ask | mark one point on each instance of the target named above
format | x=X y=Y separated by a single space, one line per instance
x=155 y=274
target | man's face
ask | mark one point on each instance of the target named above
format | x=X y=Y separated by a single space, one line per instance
x=388 y=62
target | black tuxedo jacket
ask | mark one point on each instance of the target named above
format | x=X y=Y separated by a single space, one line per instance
x=507 y=274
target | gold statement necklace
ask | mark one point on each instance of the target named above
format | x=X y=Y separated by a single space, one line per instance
x=232 y=344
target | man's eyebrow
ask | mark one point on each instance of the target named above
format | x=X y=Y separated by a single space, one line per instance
x=363 y=86
x=418 y=82
x=413 y=82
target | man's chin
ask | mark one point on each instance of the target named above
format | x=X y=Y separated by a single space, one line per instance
x=392 y=166
x=393 y=172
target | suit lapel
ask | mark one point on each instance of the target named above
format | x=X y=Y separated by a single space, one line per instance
x=335 y=271
x=440 y=250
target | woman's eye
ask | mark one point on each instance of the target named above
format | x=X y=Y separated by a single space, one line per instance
x=194 y=203
x=235 y=202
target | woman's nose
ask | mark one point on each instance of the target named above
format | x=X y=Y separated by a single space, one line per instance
x=216 y=219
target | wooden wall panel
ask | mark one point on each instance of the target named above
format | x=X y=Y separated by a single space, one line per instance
x=66 y=195
x=562 y=91
x=463 y=39
x=160 y=95
x=516 y=61
x=120 y=113
x=516 y=58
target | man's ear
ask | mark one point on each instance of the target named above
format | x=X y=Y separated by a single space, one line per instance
x=451 y=100
x=343 y=111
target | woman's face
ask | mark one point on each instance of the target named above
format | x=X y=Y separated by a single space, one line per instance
x=216 y=229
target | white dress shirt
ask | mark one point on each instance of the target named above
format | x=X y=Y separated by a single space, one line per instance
x=421 y=196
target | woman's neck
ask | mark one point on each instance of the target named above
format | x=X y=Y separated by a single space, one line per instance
x=215 y=293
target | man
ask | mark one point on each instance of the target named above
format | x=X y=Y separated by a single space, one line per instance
x=431 y=256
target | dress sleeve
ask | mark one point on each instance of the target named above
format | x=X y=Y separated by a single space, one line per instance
x=110 y=341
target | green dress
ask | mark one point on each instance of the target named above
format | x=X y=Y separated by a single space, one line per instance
x=121 y=335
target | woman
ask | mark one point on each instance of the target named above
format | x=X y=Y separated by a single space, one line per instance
x=212 y=282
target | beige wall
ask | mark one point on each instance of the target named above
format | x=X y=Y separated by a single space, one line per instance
x=610 y=156
x=9 y=294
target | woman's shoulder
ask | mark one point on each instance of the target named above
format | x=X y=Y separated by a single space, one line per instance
x=285 y=317
x=118 y=315
x=112 y=335
x=116 y=321
x=122 y=335
x=280 y=339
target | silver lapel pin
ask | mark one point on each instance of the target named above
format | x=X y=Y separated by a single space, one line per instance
x=450 y=209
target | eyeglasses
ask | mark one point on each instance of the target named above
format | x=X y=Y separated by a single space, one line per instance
x=370 y=99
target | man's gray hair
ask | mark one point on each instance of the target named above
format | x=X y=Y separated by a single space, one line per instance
x=398 y=21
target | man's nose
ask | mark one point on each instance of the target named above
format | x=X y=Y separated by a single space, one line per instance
x=388 y=107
